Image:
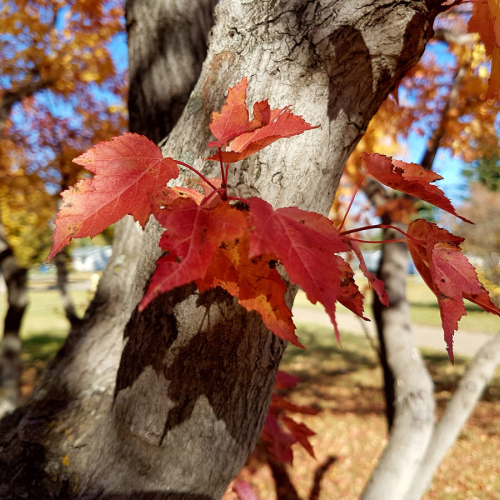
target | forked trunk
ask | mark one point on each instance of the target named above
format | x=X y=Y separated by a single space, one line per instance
x=196 y=370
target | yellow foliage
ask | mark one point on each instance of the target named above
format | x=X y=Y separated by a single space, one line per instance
x=59 y=47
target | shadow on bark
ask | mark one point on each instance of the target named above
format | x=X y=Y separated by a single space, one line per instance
x=150 y=338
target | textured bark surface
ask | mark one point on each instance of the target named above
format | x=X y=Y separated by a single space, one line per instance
x=16 y=278
x=167 y=47
x=196 y=371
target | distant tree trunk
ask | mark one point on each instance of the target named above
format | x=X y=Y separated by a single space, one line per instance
x=61 y=263
x=196 y=371
x=413 y=388
x=379 y=197
x=16 y=278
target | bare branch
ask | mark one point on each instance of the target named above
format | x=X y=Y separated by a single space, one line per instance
x=469 y=390
x=450 y=36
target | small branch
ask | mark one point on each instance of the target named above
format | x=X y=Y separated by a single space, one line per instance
x=285 y=490
x=403 y=240
x=376 y=226
x=223 y=177
x=362 y=322
x=215 y=191
x=381 y=226
x=319 y=473
x=352 y=199
x=437 y=135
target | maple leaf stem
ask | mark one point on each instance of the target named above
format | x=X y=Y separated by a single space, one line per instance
x=374 y=241
x=196 y=172
x=215 y=191
x=227 y=171
x=380 y=226
x=224 y=177
x=350 y=203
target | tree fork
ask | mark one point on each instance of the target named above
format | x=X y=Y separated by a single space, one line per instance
x=334 y=62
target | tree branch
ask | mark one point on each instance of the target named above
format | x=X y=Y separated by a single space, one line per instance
x=450 y=36
x=458 y=410
x=11 y=97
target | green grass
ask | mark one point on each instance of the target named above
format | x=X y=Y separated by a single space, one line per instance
x=44 y=325
x=424 y=309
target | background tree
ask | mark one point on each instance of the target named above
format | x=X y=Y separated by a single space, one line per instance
x=53 y=56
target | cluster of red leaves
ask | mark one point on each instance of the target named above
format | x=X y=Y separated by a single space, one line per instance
x=280 y=438
x=280 y=431
x=213 y=242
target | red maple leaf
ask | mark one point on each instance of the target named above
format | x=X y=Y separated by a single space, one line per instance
x=232 y=126
x=285 y=381
x=301 y=433
x=168 y=195
x=193 y=235
x=305 y=242
x=279 y=441
x=350 y=296
x=408 y=178
x=447 y=272
x=212 y=243
x=255 y=283
x=128 y=170
x=232 y=121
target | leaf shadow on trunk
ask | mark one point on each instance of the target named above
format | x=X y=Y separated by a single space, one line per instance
x=177 y=367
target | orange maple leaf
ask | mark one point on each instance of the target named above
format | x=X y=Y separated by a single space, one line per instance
x=256 y=284
x=123 y=167
x=243 y=137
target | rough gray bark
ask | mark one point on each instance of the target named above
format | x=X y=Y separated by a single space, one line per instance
x=196 y=371
x=16 y=278
x=78 y=387
x=178 y=30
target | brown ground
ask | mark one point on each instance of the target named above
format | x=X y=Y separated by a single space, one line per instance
x=346 y=385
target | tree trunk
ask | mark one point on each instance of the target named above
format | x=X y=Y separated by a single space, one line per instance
x=413 y=388
x=196 y=370
x=16 y=279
